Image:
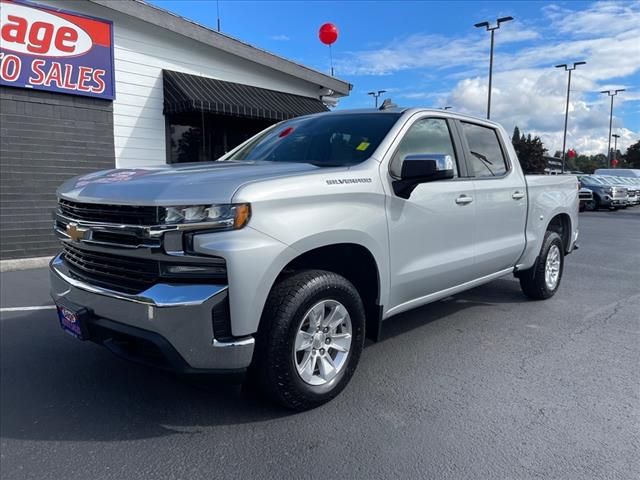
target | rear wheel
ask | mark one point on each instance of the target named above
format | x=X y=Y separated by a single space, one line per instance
x=310 y=341
x=543 y=279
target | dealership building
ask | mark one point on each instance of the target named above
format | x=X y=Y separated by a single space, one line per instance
x=95 y=84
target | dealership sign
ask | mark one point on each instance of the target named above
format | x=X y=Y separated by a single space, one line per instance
x=50 y=49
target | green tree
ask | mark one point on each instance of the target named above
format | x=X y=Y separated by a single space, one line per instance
x=632 y=156
x=516 y=136
x=530 y=152
x=586 y=163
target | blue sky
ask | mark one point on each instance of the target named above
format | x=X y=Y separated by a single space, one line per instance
x=429 y=54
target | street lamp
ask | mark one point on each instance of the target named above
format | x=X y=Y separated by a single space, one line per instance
x=566 y=113
x=376 y=95
x=492 y=30
x=615 y=145
x=611 y=93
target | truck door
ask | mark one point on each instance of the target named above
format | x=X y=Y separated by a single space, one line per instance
x=431 y=232
x=500 y=199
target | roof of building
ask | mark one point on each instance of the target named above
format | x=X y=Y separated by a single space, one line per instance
x=193 y=93
x=183 y=26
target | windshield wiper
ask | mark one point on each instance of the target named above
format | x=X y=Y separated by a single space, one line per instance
x=484 y=160
x=325 y=164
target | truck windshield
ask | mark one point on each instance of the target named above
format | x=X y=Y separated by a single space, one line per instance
x=590 y=181
x=324 y=140
x=607 y=180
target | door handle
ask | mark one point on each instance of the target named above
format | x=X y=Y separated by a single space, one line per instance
x=517 y=195
x=464 y=200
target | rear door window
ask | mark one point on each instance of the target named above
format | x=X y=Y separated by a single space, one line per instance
x=486 y=155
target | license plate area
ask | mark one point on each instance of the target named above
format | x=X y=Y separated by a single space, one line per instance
x=73 y=319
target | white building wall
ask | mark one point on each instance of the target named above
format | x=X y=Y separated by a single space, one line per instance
x=141 y=52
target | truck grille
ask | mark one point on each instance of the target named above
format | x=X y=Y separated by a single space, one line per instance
x=115 y=272
x=620 y=193
x=585 y=195
x=118 y=214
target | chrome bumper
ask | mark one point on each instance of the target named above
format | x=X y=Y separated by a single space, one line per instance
x=180 y=314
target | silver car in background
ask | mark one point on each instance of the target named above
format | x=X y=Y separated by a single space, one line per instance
x=633 y=185
x=617 y=182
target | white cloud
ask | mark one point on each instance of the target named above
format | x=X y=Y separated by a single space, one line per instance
x=416 y=51
x=612 y=17
x=535 y=101
x=513 y=35
x=527 y=90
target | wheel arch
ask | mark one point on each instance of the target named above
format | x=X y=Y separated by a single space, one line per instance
x=561 y=224
x=357 y=264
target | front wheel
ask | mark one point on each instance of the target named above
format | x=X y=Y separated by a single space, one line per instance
x=543 y=279
x=310 y=340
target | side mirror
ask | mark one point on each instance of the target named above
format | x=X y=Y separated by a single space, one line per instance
x=422 y=168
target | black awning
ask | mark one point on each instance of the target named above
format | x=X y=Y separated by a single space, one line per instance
x=191 y=93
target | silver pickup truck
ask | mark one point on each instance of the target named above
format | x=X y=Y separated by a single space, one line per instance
x=279 y=258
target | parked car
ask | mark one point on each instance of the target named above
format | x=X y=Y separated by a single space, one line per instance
x=619 y=172
x=282 y=256
x=604 y=195
x=618 y=183
x=633 y=184
x=586 y=196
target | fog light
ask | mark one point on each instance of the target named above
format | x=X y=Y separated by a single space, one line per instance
x=195 y=270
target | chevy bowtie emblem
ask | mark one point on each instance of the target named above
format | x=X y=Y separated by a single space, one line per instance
x=75 y=232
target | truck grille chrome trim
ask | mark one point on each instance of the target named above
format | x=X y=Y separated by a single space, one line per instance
x=159 y=295
x=123 y=235
x=119 y=214
x=127 y=274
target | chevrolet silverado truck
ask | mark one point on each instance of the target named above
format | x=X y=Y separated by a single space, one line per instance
x=278 y=259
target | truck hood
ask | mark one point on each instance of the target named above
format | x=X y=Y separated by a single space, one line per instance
x=186 y=184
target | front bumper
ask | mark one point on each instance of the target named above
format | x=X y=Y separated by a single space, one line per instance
x=607 y=201
x=168 y=325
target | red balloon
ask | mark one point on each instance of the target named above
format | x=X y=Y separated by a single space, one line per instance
x=328 y=33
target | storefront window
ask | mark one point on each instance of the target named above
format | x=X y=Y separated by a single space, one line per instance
x=197 y=137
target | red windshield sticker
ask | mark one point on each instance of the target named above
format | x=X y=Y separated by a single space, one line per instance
x=285 y=132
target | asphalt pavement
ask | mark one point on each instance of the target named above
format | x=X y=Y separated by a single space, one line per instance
x=483 y=385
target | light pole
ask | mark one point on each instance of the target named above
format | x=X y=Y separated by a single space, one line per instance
x=492 y=30
x=376 y=95
x=611 y=93
x=615 y=145
x=566 y=113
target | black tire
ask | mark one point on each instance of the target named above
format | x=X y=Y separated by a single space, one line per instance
x=533 y=281
x=289 y=301
x=592 y=205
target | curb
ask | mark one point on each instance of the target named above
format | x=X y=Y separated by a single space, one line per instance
x=24 y=263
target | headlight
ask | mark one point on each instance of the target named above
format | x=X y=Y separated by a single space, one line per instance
x=222 y=217
x=608 y=190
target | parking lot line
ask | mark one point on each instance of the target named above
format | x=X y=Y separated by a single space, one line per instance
x=26 y=309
